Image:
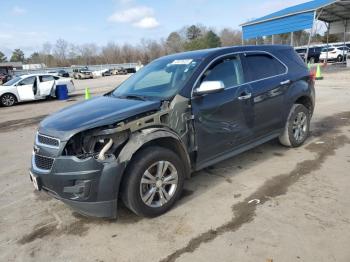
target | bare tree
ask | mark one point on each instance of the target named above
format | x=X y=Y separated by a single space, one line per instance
x=61 y=52
x=230 y=37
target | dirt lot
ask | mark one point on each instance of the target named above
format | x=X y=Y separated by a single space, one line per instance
x=300 y=209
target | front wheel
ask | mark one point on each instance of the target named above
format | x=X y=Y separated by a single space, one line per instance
x=297 y=127
x=8 y=100
x=154 y=181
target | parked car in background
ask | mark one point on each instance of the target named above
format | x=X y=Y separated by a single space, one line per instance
x=179 y=114
x=313 y=56
x=334 y=53
x=63 y=73
x=119 y=71
x=32 y=87
x=82 y=73
x=107 y=72
x=60 y=72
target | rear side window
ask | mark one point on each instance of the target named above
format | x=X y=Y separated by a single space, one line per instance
x=227 y=70
x=262 y=66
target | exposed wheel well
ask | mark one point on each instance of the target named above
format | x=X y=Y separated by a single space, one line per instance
x=305 y=101
x=175 y=146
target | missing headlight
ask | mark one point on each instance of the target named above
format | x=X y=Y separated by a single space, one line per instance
x=91 y=144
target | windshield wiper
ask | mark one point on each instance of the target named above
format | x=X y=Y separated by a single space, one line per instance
x=138 y=97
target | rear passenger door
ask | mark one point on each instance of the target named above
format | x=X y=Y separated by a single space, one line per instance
x=269 y=82
x=46 y=83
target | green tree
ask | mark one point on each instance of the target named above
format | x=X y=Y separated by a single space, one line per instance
x=35 y=58
x=174 y=43
x=17 y=56
x=193 y=32
x=212 y=40
x=3 y=58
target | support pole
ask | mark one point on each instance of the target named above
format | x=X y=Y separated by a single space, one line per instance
x=273 y=39
x=328 y=28
x=345 y=25
x=292 y=38
x=311 y=33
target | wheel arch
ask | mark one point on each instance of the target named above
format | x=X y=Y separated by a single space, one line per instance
x=11 y=93
x=155 y=137
x=305 y=101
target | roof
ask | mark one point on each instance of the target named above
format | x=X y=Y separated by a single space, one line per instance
x=337 y=11
x=297 y=9
x=205 y=53
x=11 y=64
x=298 y=17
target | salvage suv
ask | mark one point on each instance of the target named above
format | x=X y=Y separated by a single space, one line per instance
x=179 y=114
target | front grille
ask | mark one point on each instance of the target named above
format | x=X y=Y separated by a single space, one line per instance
x=50 y=141
x=43 y=162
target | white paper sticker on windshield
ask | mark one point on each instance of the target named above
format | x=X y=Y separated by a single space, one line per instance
x=182 y=62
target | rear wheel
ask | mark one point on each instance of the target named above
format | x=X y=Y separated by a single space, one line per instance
x=154 y=181
x=8 y=100
x=340 y=58
x=296 y=129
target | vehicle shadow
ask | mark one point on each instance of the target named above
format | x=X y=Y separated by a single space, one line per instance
x=222 y=172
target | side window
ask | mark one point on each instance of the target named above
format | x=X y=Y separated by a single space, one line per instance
x=228 y=70
x=261 y=66
x=27 y=81
x=46 y=78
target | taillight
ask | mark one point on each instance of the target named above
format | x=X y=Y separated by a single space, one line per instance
x=313 y=75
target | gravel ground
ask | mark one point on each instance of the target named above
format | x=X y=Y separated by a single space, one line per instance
x=301 y=213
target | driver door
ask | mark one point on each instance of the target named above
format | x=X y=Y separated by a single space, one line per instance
x=25 y=88
x=224 y=120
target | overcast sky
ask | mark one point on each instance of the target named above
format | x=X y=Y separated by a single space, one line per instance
x=27 y=24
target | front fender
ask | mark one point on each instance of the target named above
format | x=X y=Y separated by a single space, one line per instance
x=140 y=138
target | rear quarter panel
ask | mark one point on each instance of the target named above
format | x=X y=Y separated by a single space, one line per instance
x=301 y=80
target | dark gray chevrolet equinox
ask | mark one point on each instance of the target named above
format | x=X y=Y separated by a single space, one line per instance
x=177 y=115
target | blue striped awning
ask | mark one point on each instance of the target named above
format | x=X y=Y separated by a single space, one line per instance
x=294 y=18
x=279 y=26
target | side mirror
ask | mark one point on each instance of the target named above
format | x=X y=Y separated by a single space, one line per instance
x=209 y=87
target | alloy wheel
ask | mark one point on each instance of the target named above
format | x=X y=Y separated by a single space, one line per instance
x=8 y=100
x=300 y=126
x=158 y=184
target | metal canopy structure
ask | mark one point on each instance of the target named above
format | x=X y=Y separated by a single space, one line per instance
x=336 y=13
x=287 y=20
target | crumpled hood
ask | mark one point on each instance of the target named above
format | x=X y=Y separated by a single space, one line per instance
x=99 y=111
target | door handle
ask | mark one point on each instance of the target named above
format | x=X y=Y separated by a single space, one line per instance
x=245 y=96
x=285 y=82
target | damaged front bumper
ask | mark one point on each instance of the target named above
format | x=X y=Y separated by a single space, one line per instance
x=88 y=185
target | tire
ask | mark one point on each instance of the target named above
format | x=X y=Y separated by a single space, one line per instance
x=340 y=58
x=297 y=127
x=8 y=100
x=141 y=191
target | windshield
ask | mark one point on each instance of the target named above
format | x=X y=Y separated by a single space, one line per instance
x=160 y=79
x=12 y=81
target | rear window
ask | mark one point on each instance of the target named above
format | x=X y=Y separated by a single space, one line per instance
x=263 y=66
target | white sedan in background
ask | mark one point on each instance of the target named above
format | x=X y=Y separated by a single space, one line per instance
x=31 y=87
